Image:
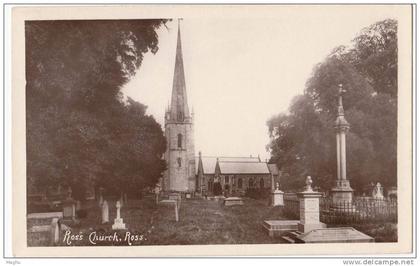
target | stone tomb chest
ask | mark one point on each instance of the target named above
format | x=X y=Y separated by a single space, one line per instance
x=335 y=235
x=279 y=227
x=233 y=201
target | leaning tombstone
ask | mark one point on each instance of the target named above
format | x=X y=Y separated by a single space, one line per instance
x=105 y=212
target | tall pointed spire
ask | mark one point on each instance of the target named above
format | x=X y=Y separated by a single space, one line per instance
x=179 y=102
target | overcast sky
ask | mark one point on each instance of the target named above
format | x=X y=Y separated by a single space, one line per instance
x=241 y=72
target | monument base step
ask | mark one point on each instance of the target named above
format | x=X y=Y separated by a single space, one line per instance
x=292 y=237
x=288 y=239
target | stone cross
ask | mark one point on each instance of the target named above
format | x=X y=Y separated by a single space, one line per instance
x=118 y=205
x=105 y=212
x=118 y=221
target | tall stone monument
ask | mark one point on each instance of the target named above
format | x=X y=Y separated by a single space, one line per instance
x=342 y=193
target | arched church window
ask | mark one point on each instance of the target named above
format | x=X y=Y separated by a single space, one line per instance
x=179 y=162
x=250 y=183
x=179 y=140
x=262 y=183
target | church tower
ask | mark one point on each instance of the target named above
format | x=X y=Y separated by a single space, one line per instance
x=179 y=156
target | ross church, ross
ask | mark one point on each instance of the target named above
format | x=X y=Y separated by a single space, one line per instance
x=189 y=173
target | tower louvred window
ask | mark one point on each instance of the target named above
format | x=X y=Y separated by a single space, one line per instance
x=180 y=116
x=179 y=140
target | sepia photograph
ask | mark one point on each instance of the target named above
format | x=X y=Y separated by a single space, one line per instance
x=279 y=126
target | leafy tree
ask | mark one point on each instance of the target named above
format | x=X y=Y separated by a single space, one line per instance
x=303 y=141
x=80 y=131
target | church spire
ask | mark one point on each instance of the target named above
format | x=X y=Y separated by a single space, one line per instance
x=179 y=103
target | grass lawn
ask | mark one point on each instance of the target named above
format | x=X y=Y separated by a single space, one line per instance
x=201 y=222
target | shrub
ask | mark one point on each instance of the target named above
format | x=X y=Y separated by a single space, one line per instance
x=217 y=189
x=81 y=213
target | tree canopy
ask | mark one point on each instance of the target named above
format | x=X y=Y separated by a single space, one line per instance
x=80 y=130
x=303 y=140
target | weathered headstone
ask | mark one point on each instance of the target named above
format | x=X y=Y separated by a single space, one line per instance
x=101 y=197
x=277 y=196
x=335 y=235
x=309 y=208
x=118 y=221
x=105 y=212
x=69 y=207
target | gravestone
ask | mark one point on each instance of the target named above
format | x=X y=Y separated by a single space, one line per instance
x=69 y=208
x=378 y=192
x=105 y=212
x=55 y=231
x=335 y=235
x=309 y=209
x=277 y=196
x=157 y=191
x=118 y=221
x=101 y=200
x=231 y=201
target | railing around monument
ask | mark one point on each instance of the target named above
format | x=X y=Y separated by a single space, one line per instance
x=360 y=210
x=291 y=205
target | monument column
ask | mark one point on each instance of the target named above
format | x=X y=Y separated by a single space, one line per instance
x=342 y=193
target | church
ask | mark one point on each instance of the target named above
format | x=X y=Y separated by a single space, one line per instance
x=188 y=173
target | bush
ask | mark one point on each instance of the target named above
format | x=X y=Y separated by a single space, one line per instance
x=257 y=193
x=81 y=213
x=217 y=189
